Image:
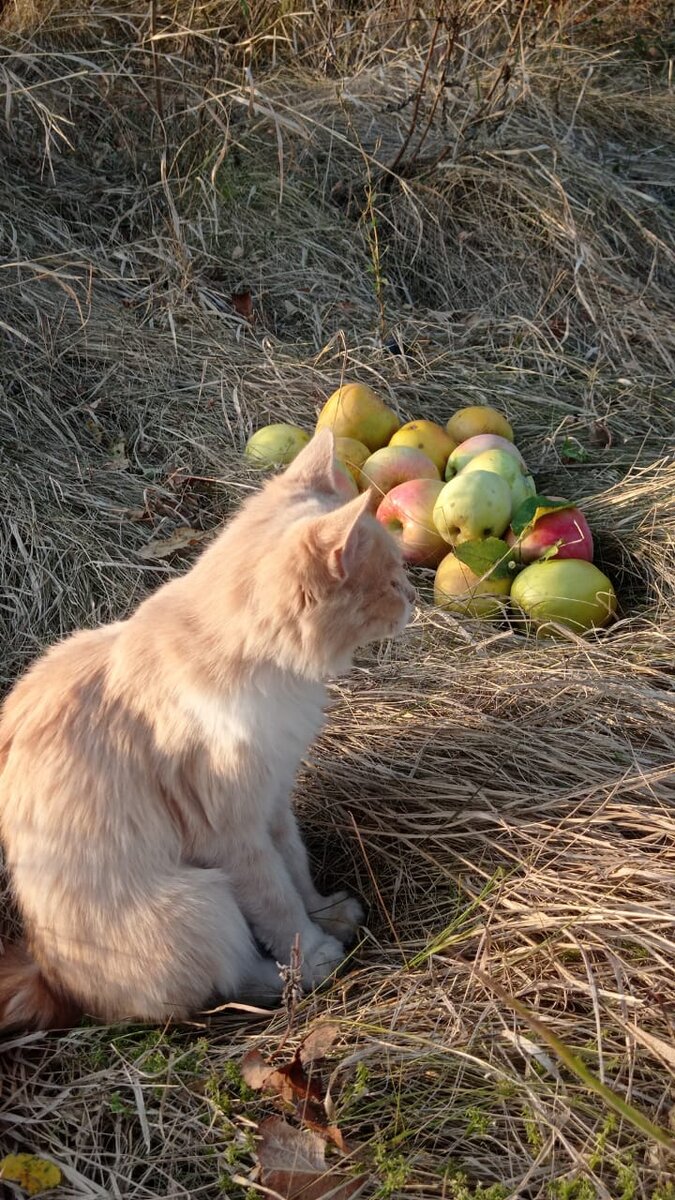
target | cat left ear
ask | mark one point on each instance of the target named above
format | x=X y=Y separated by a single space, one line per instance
x=338 y=534
x=314 y=467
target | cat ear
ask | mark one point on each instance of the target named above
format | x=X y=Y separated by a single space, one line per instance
x=338 y=533
x=314 y=466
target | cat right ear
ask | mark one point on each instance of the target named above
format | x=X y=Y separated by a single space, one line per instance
x=337 y=533
x=314 y=467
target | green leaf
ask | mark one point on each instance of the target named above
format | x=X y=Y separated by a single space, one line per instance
x=487 y=556
x=529 y=512
x=572 y=450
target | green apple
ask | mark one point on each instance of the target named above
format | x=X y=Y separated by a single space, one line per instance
x=522 y=489
x=569 y=591
x=473 y=505
x=501 y=462
x=477 y=445
x=275 y=445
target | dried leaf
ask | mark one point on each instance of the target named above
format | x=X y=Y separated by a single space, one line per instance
x=318 y=1042
x=289 y=1081
x=242 y=302
x=255 y=1070
x=180 y=539
x=293 y=1164
x=33 y=1174
x=601 y=435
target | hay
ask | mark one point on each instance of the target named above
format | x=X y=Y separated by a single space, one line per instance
x=503 y=804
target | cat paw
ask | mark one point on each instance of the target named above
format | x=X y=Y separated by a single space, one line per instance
x=340 y=915
x=320 y=958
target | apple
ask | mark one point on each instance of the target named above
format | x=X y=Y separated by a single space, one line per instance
x=570 y=591
x=459 y=590
x=476 y=445
x=566 y=529
x=355 y=411
x=391 y=465
x=522 y=489
x=473 y=505
x=407 y=512
x=352 y=455
x=428 y=437
x=477 y=418
x=275 y=445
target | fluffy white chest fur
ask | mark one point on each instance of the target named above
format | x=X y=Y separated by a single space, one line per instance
x=276 y=714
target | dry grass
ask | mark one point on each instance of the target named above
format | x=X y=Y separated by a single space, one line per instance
x=505 y=805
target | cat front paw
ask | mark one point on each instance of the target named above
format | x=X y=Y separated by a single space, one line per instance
x=320 y=958
x=340 y=915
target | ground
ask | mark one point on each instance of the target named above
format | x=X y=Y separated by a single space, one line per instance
x=209 y=216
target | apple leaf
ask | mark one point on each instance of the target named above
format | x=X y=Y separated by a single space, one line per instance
x=33 y=1174
x=489 y=556
x=552 y=551
x=529 y=512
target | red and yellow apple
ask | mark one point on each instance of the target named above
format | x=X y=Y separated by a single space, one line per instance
x=477 y=445
x=569 y=591
x=391 y=465
x=356 y=411
x=428 y=437
x=477 y=418
x=475 y=504
x=459 y=590
x=407 y=512
x=566 y=530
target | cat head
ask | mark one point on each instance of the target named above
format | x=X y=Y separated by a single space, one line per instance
x=327 y=576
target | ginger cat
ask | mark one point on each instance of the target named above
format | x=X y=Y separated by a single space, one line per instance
x=146 y=768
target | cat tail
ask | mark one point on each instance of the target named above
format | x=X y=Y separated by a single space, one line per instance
x=27 y=999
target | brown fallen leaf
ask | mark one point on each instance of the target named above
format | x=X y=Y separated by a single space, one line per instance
x=180 y=539
x=293 y=1087
x=242 y=302
x=601 y=435
x=317 y=1043
x=289 y=1081
x=293 y=1164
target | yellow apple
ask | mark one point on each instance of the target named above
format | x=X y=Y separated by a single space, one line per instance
x=459 y=590
x=428 y=437
x=355 y=411
x=352 y=455
x=477 y=418
x=275 y=445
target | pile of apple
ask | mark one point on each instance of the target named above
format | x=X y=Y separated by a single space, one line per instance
x=462 y=501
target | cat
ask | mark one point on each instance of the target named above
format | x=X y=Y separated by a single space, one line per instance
x=146 y=768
